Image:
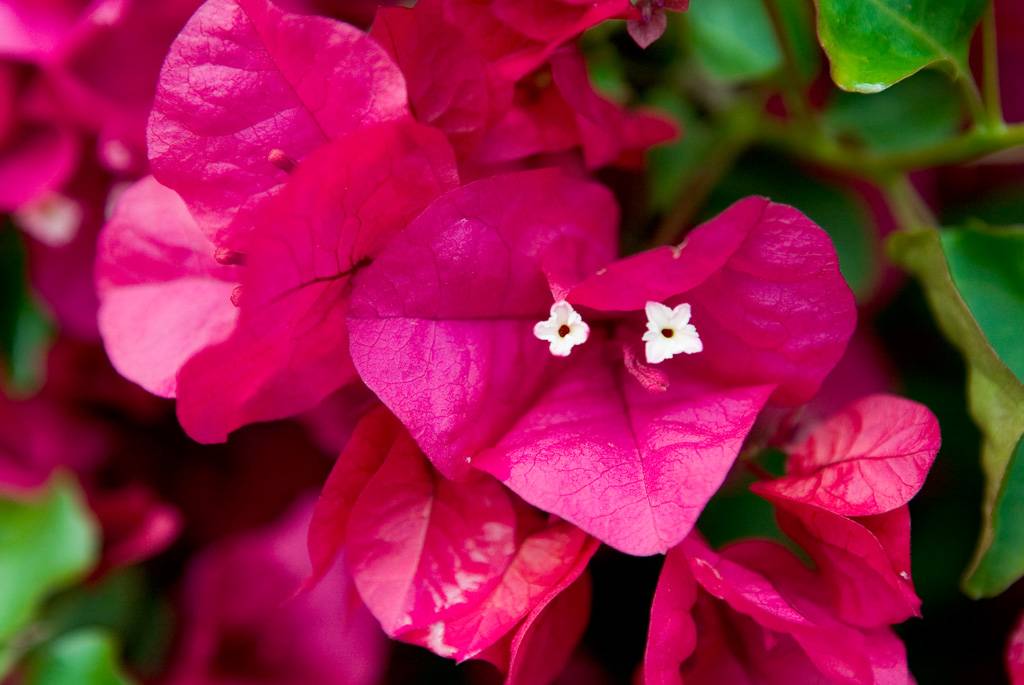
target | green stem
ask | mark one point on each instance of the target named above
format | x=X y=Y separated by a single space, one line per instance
x=969 y=146
x=990 y=53
x=972 y=96
x=907 y=205
x=792 y=93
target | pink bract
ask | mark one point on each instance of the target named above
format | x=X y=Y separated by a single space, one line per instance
x=844 y=501
x=242 y=625
x=338 y=210
x=296 y=82
x=869 y=459
x=454 y=567
x=518 y=35
x=769 y=625
x=163 y=295
x=441 y=322
x=1015 y=654
x=451 y=85
x=579 y=437
x=767 y=296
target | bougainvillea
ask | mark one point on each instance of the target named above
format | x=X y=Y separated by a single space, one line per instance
x=475 y=341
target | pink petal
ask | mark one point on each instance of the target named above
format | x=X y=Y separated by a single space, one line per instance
x=163 y=297
x=136 y=525
x=1015 y=654
x=519 y=35
x=545 y=641
x=106 y=93
x=631 y=467
x=450 y=84
x=421 y=548
x=865 y=562
x=38 y=159
x=374 y=437
x=33 y=29
x=545 y=564
x=871 y=458
x=243 y=622
x=441 y=322
x=340 y=207
x=765 y=582
x=606 y=131
x=672 y=635
x=767 y=295
x=245 y=78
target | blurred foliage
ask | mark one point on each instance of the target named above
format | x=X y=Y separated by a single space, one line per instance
x=25 y=330
x=84 y=657
x=47 y=541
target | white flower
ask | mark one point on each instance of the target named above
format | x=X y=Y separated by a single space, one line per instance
x=669 y=332
x=564 y=329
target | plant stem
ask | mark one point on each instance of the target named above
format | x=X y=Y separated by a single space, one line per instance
x=990 y=55
x=972 y=96
x=969 y=146
x=792 y=94
x=907 y=205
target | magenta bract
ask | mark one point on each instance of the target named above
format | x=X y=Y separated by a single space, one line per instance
x=296 y=82
x=339 y=208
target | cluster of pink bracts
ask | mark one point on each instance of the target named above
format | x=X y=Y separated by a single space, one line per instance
x=398 y=207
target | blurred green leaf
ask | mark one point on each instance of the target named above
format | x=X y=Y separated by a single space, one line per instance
x=84 y=657
x=47 y=541
x=872 y=44
x=995 y=393
x=735 y=40
x=919 y=111
x=669 y=166
x=123 y=604
x=735 y=513
x=837 y=210
x=25 y=329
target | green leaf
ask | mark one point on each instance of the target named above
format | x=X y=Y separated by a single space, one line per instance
x=671 y=166
x=122 y=604
x=735 y=40
x=923 y=110
x=47 y=542
x=84 y=657
x=995 y=396
x=987 y=266
x=872 y=44
x=25 y=329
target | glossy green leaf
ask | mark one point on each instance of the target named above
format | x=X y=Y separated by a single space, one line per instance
x=987 y=266
x=83 y=657
x=922 y=110
x=47 y=541
x=873 y=44
x=996 y=402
